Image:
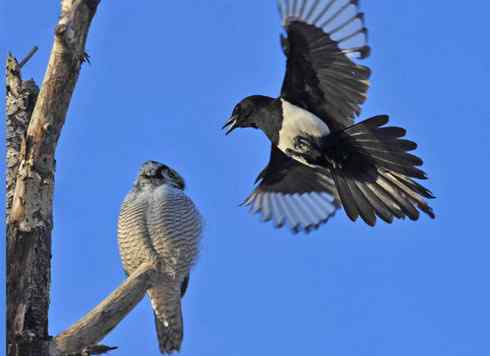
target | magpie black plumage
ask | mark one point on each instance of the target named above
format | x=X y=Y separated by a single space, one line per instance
x=320 y=160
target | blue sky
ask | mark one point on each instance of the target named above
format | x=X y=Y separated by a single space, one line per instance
x=164 y=77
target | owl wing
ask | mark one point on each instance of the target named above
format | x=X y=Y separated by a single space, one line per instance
x=135 y=244
x=175 y=226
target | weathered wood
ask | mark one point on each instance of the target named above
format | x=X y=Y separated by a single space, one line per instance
x=104 y=317
x=20 y=100
x=30 y=179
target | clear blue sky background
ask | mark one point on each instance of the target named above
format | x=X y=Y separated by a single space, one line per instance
x=164 y=77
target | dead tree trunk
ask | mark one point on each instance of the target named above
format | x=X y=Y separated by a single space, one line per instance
x=20 y=101
x=33 y=130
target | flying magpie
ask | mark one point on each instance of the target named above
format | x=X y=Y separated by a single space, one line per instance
x=320 y=159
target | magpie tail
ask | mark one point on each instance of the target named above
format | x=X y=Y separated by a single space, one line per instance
x=374 y=173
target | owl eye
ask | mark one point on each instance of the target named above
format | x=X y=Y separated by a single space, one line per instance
x=159 y=172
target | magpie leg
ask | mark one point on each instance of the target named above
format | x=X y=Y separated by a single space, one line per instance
x=307 y=147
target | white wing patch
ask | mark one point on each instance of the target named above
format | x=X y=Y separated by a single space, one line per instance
x=297 y=121
x=301 y=212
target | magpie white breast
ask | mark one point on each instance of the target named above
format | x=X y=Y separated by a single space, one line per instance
x=320 y=159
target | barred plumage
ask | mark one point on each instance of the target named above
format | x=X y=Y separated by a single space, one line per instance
x=158 y=222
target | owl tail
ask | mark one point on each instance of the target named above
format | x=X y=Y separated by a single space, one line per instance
x=168 y=319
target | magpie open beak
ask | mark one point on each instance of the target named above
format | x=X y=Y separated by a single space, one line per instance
x=231 y=124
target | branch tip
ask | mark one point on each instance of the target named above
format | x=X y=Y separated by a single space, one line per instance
x=98 y=349
x=29 y=55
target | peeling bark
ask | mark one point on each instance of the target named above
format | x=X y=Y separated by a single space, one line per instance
x=20 y=100
x=31 y=144
x=26 y=305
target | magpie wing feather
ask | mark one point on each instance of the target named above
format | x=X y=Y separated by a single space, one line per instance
x=321 y=76
x=293 y=193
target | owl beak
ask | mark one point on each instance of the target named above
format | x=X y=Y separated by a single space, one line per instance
x=231 y=124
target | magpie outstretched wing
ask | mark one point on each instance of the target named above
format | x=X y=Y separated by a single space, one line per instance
x=292 y=193
x=322 y=38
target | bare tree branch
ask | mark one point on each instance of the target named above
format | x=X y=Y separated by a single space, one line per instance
x=104 y=317
x=28 y=57
x=30 y=178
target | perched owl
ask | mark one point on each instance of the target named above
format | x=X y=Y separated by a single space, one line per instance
x=159 y=222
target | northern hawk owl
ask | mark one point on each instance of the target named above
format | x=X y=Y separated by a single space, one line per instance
x=159 y=223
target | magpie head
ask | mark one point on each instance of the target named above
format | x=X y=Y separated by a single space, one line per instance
x=155 y=174
x=244 y=112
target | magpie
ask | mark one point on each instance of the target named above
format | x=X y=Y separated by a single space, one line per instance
x=320 y=159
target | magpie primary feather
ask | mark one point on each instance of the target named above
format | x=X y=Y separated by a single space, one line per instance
x=320 y=159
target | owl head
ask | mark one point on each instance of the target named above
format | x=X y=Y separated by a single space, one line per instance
x=156 y=174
